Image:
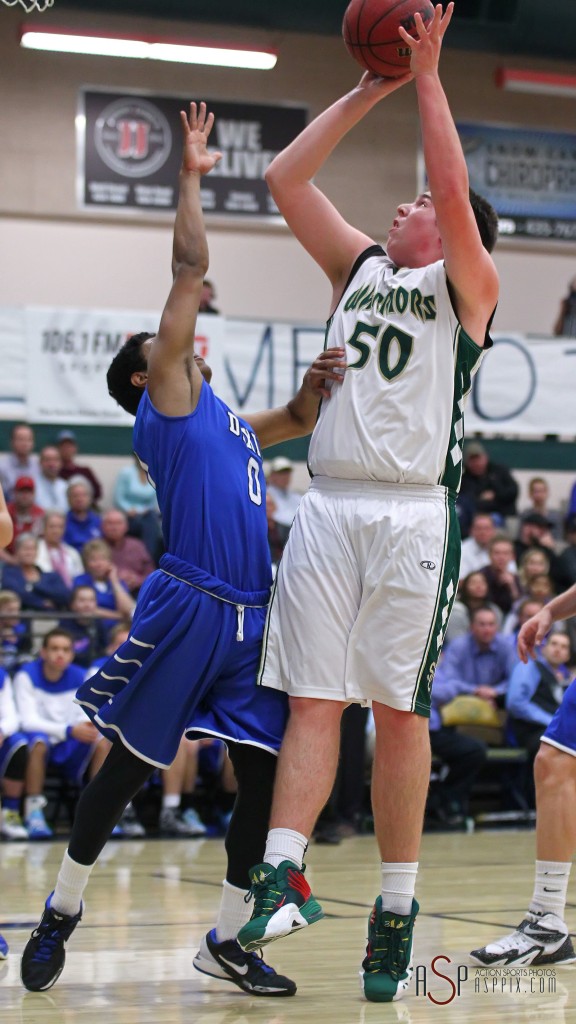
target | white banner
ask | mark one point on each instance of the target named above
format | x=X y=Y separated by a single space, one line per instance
x=55 y=362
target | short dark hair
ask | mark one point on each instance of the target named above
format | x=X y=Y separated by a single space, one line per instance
x=486 y=219
x=57 y=631
x=126 y=362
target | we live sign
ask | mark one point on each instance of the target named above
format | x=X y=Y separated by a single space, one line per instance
x=130 y=146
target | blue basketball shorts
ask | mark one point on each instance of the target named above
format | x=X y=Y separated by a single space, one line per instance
x=561 y=731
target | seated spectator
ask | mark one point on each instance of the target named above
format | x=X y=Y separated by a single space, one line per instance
x=20 y=460
x=534 y=562
x=463 y=756
x=37 y=590
x=136 y=498
x=51 y=489
x=53 y=554
x=534 y=532
x=491 y=486
x=59 y=734
x=112 y=596
x=522 y=610
x=564 y=570
x=15 y=638
x=68 y=448
x=473 y=594
x=475 y=549
x=480 y=662
x=89 y=633
x=207 y=298
x=539 y=495
x=278 y=483
x=129 y=555
x=13 y=762
x=503 y=585
x=535 y=692
x=26 y=515
x=82 y=523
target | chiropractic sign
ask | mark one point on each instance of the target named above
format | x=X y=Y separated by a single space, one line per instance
x=129 y=148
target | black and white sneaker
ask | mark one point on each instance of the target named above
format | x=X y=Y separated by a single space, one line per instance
x=228 y=962
x=539 y=939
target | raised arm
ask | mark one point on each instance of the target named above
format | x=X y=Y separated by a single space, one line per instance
x=331 y=241
x=469 y=266
x=298 y=417
x=174 y=380
x=535 y=629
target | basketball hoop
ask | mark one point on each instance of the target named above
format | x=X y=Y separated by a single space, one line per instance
x=30 y=5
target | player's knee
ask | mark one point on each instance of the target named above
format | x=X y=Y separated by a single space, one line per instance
x=552 y=766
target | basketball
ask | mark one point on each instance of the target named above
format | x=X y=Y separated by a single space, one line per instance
x=370 y=31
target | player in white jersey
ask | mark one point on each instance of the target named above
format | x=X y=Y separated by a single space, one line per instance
x=370 y=570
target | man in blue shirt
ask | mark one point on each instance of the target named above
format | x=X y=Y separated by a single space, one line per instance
x=480 y=662
x=535 y=692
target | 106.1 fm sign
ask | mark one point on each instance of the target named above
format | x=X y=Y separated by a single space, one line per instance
x=130 y=145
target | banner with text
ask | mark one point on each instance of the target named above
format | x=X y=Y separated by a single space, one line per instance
x=56 y=361
x=129 y=149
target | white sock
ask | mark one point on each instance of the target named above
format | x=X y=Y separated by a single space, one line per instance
x=285 y=844
x=171 y=801
x=398 y=885
x=33 y=803
x=550 y=887
x=233 y=913
x=71 y=882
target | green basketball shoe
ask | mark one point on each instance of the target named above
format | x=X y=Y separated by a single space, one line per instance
x=283 y=903
x=387 y=968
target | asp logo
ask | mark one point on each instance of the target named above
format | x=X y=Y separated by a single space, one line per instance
x=452 y=986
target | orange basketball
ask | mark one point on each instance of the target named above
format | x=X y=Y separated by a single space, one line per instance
x=370 y=31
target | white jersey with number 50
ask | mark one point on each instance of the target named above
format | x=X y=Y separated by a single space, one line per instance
x=399 y=414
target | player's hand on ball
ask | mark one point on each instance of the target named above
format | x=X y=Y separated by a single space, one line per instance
x=428 y=41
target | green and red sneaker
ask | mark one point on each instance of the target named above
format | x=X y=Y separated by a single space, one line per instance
x=283 y=903
x=387 y=967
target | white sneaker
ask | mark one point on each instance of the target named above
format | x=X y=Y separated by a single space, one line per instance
x=539 y=939
x=173 y=823
x=12 y=826
x=129 y=825
x=194 y=822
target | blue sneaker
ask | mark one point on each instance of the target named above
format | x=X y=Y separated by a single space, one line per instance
x=44 y=956
x=36 y=825
x=3 y=948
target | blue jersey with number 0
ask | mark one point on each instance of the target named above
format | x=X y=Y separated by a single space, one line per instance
x=207 y=471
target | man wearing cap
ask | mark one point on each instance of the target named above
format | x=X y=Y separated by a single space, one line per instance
x=20 y=460
x=26 y=515
x=535 y=532
x=68 y=448
x=491 y=486
x=278 y=486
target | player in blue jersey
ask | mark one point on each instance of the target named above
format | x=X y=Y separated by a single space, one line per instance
x=190 y=663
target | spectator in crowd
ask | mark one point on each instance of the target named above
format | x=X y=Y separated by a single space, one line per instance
x=480 y=662
x=58 y=733
x=534 y=562
x=26 y=515
x=565 y=323
x=13 y=761
x=82 y=523
x=54 y=555
x=112 y=596
x=20 y=460
x=465 y=509
x=523 y=610
x=491 y=486
x=571 y=510
x=176 y=820
x=129 y=555
x=277 y=535
x=136 y=498
x=6 y=532
x=68 y=448
x=207 y=298
x=51 y=489
x=473 y=594
x=464 y=756
x=564 y=570
x=534 y=532
x=540 y=588
x=15 y=640
x=475 y=552
x=90 y=635
x=539 y=494
x=534 y=694
x=37 y=590
x=278 y=486
x=503 y=585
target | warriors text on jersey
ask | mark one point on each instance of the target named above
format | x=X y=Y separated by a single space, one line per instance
x=399 y=415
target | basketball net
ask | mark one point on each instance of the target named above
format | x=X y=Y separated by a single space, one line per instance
x=30 y=5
